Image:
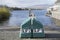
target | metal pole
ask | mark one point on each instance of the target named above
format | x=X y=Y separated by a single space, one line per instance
x=29 y=12
x=30 y=15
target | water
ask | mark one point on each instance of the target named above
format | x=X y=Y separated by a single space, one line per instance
x=18 y=16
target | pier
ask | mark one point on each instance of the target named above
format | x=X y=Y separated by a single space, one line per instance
x=12 y=33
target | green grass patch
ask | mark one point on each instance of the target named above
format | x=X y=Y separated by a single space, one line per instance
x=4 y=13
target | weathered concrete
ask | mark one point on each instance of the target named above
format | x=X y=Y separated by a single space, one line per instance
x=14 y=35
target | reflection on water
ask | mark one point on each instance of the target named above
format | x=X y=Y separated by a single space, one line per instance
x=18 y=16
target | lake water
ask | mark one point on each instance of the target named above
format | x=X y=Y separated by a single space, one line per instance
x=18 y=16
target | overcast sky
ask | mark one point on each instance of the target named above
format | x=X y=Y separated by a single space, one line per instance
x=26 y=3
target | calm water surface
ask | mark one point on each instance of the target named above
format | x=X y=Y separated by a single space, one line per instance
x=18 y=16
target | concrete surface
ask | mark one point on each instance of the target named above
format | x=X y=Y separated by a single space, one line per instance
x=14 y=35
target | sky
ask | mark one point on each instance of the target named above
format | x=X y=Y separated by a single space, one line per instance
x=26 y=3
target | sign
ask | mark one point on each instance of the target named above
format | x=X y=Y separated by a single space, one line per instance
x=29 y=30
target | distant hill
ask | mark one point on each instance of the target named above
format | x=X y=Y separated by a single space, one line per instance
x=27 y=8
x=40 y=6
x=3 y=6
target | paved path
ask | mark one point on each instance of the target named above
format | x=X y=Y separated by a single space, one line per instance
x=12 y=33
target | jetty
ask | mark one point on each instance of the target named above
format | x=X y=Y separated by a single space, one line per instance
x=12 y=33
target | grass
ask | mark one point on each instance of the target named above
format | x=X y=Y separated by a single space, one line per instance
x=4 y=13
